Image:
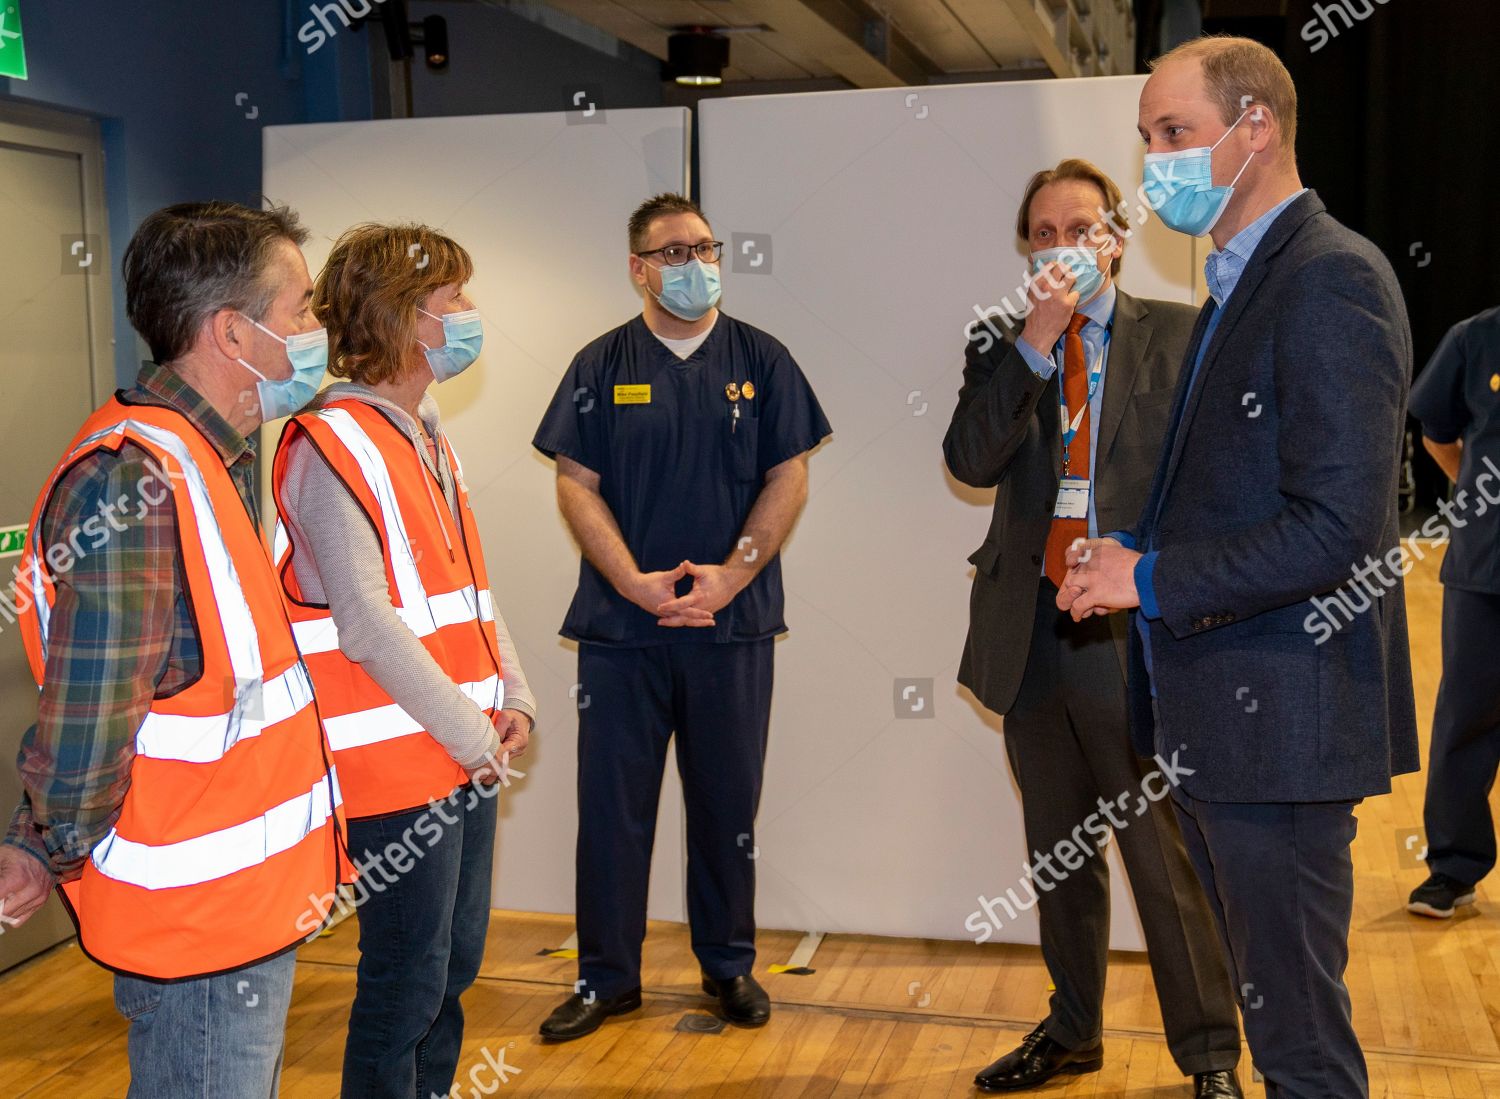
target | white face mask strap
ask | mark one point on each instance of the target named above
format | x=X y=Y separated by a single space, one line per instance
x=268 y=332
x=1229 y=131
x=434 y=316
x=1241 y=172
x=263 y=328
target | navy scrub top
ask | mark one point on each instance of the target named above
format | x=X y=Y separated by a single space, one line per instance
x=1457 y=396
x=678 y=472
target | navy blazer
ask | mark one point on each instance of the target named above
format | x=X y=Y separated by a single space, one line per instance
x=1278 y=478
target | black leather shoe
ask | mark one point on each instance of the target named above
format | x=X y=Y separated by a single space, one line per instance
x=742 y=1000
x=1217 y=1085
x=577 y=1016
x=1036 y=1060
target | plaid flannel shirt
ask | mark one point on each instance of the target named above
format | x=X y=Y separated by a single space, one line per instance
x=122 y=630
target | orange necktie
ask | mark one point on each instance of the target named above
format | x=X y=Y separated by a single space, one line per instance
x=1075 y=385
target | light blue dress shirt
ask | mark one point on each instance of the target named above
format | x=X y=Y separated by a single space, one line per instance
x=1101 y=314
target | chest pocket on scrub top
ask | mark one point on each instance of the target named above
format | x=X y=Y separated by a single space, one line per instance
x=742 y=440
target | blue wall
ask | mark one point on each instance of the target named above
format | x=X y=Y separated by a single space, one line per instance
x=162 y=79
x=503 y=63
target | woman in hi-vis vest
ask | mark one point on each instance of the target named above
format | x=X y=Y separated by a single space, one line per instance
x=420 y=690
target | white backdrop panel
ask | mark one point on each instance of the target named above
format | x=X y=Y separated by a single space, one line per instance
x=541 y=202
x=865 y=227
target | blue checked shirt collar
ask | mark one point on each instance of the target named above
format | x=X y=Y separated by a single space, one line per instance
x=1223 y=268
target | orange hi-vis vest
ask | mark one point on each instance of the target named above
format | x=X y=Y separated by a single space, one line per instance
x=231 y=829
x=435 y=570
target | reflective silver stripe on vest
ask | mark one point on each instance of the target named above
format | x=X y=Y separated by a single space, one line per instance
x=382 y=723
x=321 y=635
x=217 y=854
x=235 y=618
x=206 y=739
x=414 y=604
x=423 y=614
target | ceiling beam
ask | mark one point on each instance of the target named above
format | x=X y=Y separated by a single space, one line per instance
x=834 y=31
x=785 y=45
x=618 y=21
x=994 y=23
x=942 y=37
x=803 y=37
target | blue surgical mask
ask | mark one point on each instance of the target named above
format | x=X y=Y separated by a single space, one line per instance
x=1083 y=262
x=463 y=336
x=689 y=291
x=1180 y=187
x=308 y=354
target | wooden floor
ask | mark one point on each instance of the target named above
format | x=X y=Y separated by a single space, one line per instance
x=887 y=1017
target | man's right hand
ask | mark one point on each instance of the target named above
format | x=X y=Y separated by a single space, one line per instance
x=1053 y=301
x=650 y=590
x=25 y=885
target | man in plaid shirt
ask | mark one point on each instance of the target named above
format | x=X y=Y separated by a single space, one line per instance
x=212 y=288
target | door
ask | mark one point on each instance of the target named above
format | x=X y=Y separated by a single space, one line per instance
x=56 y=363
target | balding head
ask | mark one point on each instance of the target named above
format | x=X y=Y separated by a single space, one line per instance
x=1233 y=75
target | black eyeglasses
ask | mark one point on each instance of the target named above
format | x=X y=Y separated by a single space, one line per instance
x=675 y=255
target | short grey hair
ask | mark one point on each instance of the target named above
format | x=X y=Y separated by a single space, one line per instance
x=188 y=261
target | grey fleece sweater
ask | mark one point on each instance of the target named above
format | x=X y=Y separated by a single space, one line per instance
x=328 y=529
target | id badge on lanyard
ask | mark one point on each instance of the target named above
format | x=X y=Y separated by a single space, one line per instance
x=1073 y=491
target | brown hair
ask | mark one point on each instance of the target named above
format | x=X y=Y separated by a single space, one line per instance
x=1080 y=171
x=655 y=207
x=1240 y=71
x=188 y=261
x=368 y=292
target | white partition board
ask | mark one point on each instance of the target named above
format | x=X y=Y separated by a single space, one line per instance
x=541 y=203
x=864 y=227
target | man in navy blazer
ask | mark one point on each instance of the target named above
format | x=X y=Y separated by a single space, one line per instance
x=1273 y=506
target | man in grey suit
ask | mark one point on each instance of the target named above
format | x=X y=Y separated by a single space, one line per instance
x=1276 y=489
x=1063 y=414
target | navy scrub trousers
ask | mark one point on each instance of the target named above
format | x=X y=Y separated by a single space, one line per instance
x=1465 y=752
x=716 y=698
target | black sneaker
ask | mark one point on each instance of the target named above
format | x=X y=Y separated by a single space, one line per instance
x=1438 y=896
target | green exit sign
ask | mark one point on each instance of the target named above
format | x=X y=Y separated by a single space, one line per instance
x=12 y=45
x=12 y=541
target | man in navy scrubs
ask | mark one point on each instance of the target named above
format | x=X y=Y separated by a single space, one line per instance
x=681 y=441
x=1457 y=400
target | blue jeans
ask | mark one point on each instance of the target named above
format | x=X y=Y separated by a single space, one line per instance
x=424 y=912
x=210 y=1037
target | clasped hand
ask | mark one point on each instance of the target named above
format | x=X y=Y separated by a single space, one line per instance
x=1100 y=579
x=714 y=586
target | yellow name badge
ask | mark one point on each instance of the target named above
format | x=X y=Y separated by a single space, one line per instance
x=632 y=394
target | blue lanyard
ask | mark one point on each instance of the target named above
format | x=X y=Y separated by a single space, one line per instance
x=1070 y=425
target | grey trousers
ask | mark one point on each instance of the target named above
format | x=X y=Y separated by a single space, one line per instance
x=1069 y=746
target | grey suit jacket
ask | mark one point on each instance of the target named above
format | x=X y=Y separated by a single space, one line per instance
x=1278 y=479
x=1005 y=433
